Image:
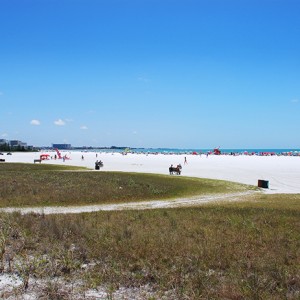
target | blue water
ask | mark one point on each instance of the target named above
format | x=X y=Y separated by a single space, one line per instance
x=224 y=151
x=202 y=151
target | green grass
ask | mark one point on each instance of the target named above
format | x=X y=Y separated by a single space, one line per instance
x=231 y=250
x=49 y=185
x=241 y=250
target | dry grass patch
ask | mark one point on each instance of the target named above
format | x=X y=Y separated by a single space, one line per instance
x=247 y=250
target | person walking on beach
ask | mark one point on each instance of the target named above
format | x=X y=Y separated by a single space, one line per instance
x=185 y=161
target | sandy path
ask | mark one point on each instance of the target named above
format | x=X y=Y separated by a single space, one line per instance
x=181 y=202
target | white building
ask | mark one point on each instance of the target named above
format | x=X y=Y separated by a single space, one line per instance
x=3 y=141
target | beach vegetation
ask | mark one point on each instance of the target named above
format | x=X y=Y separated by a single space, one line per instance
x=6 y=147
x=57 y=185
x=229 y=250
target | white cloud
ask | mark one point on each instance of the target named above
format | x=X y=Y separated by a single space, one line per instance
x=134 y=132
x=295 y=100
x=83 y=127
x=35 y=122
x=59 y=122
x=4 y=135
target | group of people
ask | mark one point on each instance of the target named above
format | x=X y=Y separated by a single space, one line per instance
x=98 y=164
x=176 y=169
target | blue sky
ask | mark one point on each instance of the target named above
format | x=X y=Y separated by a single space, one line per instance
x=151 y=73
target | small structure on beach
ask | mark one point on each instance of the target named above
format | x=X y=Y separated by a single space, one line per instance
x=44 y=156
x=263 y=184
x=217 y=151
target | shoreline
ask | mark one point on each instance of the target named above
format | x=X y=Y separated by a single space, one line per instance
x=189 y=151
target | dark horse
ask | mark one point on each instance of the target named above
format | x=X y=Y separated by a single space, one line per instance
x=176 y=170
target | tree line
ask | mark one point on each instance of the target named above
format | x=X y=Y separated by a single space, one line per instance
x=7 y=148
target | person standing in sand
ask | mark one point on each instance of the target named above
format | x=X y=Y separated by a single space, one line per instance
x=185 y=161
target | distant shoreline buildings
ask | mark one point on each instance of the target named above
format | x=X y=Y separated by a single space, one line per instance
x=62 y=146
x=14 y=145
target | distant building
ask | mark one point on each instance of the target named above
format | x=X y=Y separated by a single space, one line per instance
x=2 y=142
x=62 y=146
x=16 y=144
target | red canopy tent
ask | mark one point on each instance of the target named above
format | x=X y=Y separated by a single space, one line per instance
x=217 y=151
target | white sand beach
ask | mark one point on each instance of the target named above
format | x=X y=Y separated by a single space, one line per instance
x=282 y=172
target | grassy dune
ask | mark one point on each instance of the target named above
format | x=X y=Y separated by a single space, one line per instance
x=247 y=250
x=47 y=185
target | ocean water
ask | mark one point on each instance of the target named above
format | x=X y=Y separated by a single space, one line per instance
x=286 y=151
x=224 y=151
